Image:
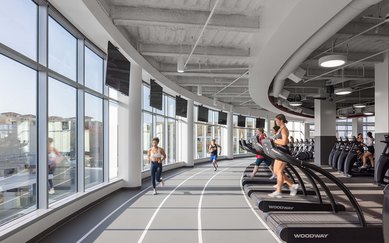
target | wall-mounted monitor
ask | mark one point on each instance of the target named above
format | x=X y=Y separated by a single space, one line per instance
x=202 y=114
x=222 y=118
x=241 y=121
x=260 y=123
x=118 y=70
x=156 y=95
x=181 y=106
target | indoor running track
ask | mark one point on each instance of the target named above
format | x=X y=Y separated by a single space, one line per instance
x=196 y=205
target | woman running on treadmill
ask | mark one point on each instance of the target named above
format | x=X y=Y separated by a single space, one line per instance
x=156 y=156
x=369 y=154
x=261 y=135
x=281 y=140
x=213 y=150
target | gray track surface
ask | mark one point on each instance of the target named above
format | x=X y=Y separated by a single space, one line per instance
x=225 y=214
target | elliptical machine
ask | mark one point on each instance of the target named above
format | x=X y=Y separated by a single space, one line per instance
x=381 y=173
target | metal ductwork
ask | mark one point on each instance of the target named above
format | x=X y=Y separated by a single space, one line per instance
x=334 y=25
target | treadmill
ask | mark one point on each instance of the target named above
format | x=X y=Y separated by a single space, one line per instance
x=335 y=226
x=310 y=200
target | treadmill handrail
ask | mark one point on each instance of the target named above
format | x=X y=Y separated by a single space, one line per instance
x=269 y=149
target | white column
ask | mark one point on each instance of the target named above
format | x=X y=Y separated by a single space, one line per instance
x=306 y=130
x=325 y=130
x=357 y=124
x=188 y=145
x=130 y=131
x=381 y=102
x=268 y=127
x=230 y=137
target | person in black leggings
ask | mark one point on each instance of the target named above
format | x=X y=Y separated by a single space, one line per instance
x=281 y=141
x=156 y=156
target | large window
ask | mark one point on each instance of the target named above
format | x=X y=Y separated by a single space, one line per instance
x=296 y=129
x=18 y=140
x=344 y=128
x=70 y=84
x=368 y=126
x=161 y=124
x=62 y=144
x=205 y=132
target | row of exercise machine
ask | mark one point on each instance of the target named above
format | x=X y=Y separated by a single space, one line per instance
x=314 y=214
x=345 y=157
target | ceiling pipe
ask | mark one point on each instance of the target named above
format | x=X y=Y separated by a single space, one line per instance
x=201 y=33
x=334 y=25
x=232 y=82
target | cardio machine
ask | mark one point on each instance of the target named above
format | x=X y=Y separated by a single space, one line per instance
x=382 y=167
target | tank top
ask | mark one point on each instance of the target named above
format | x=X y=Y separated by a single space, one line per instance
x=260 y=141
x=369 y=141
x=155 y=156
x=52 y=156
x=279 y=136
x=214 y=151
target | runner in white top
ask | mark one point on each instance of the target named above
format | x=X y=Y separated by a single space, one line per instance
x=156 y=156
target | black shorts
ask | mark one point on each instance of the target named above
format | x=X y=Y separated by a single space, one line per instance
x=370 y=149
x=284 y=149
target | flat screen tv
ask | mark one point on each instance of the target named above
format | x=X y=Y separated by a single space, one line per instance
x=118 y=70
x=260 y=123
x=156 y=95
x=202 y=114
x=241 y=121
x=181 y=106
x=222 y=118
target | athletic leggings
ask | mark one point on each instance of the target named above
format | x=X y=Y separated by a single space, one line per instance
x=156 y=172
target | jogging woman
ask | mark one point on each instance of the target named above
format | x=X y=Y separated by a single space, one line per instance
x=156 y=156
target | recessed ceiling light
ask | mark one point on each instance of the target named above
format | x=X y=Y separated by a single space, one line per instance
x=180 y=64
x=359 y=105
x=343 y=91
x=368 y=113
x=295 y=103
x=332 y=61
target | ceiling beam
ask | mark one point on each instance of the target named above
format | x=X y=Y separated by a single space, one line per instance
x=135 y=16
x=356 y=27
x=201 y=51
x=212 y=75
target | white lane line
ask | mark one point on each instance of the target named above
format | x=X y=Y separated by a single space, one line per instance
x=161 y=204
x=256 y=214
x=199 y=224
x=122 y=205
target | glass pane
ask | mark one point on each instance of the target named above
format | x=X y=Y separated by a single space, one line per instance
x=171 y=107
x=62 y=140
x=93 y=140
x=235 y=120
x=171 y=146
x=146 y=98
x=147 y=137
x=200 y=139
x=113 y=140
x=208 y=137
x=18 y=23
x=18 y=140
x=93 y=71
x=236 y=141
x=160 y=131
x=62 y=50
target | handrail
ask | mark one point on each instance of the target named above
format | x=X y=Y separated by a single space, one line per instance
x=269 y=148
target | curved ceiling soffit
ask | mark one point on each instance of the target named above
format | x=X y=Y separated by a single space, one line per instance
x=271 y=60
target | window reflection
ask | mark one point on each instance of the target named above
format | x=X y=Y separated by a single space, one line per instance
x=147 y=136
x=18 y=160
x=93 y=140
x=62 y=140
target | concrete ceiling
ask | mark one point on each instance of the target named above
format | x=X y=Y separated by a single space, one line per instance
x=359 y=76
x=164 y=30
